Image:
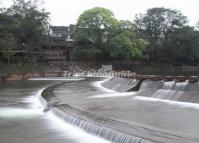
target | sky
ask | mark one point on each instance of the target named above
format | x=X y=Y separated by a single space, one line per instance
x=65 y=12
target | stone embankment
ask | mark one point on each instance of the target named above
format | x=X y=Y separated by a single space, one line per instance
x=122 y=74
x=24 y=76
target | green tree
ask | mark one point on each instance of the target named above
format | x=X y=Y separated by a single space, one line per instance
x=30 y=23
x=124 y=43
x=85 y=53
x=8 y=44
x=123 y=47
x=96 y=25
x=183 y=45
x=156 y=25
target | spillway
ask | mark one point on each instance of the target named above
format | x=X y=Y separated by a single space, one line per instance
x=100 y=110
x=131 y=118
x=22 y=119
x=170 y=90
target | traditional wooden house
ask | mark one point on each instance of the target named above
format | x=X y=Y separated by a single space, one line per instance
x=58 y=50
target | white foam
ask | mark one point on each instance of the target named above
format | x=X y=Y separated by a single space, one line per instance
x=19 y=113
x=71 y=131
x=98 y=85
x=34 y=100
x=58 y=79
x=55 y=123
x=177 y=103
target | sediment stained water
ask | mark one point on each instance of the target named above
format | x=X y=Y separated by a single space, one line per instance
x=22 y=119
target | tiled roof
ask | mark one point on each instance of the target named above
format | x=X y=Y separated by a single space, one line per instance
x=59 y=28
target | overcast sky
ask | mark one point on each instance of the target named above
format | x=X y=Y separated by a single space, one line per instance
x=65 y=12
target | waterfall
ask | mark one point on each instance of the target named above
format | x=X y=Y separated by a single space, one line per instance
x=120 y=84
x=171 y=90
x=99 y=130
x=169 y=84
x=180 y=85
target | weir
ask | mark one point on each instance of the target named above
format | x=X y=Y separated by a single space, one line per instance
x=99 y=130
x=120 y=84
x=178 y=90
x=91 y=127
x=112 y=130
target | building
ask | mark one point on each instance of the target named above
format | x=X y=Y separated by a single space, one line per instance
x=58 y=50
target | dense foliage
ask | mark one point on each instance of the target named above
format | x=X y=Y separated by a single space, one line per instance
x=108 y=38
x=169 y=39
x=27 y=23
x=8 y=44
x=159 y=35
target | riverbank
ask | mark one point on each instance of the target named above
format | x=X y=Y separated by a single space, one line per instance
x=6 y=69
x=139 y=68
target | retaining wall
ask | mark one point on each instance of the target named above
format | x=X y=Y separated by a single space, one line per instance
x=24 y=76
x=122 y=74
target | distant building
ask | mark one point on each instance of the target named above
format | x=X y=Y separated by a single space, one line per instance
x=58 y=50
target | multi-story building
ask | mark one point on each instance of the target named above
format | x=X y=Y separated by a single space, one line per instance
x=58 y=50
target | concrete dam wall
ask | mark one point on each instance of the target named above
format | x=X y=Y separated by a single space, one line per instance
x=183 y=90
x=123 y=119
x=86 y=121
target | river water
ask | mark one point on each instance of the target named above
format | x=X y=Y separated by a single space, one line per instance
x=22 y=119
x=149 y=118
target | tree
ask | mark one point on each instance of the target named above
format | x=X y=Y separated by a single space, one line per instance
x=85 y=53
x=156 y=25
x=8 y=44
x=183 y=45
x=123 y=47
x=30 y=23
x=96 y=25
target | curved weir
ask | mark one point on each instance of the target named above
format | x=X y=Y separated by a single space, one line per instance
x=22 y=119
x=89 y=126
x=128 y=119
x=170 y=90
x=107 y=110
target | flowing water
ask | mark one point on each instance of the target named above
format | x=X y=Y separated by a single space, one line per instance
x=170 y=90
x=119 y=116
x=116 y=117
x=22 y=119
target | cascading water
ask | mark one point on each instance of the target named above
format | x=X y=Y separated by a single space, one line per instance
x=119 y=84
x=126 y=119
x=169 y=84
x=171 y=90
x=93 y=127
x=180 y=85
x=99 y=130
